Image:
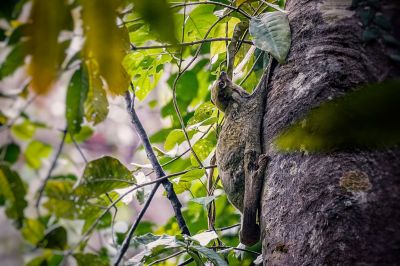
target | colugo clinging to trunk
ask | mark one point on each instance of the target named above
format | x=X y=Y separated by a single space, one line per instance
x=240 y=161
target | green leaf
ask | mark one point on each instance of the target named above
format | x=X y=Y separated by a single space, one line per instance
x=96 y=104
x=202 y=148
x=76 y=96
x=84 y=134
x=187 y=86
x=205 y=237
x=180 y=187
x=159 y=16
x=12 y=189
x=10 y=152
x=46 y=55
x=362 y=119
x=209 y=254
x=175 y=137
x=146 y=69
x=103 y=175
x=271 y=33
x=192 y=175
x=203 y=115
x=104 y=35
x=90 y=259
x=24 y=130
x=197 y=23
x=35 y=152
x=55 y=239
x=33 y=231
x=13 y=60
x=204 y=201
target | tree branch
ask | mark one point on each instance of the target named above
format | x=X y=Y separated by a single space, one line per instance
x=134 y=48
x=171 y=195
x=53 y=165
x=233 y=8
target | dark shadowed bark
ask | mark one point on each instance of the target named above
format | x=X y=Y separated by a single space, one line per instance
x=339 y=208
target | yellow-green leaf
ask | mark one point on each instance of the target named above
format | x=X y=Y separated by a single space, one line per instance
x=106 y=43
x=35 y=152
x=12 y=192
x=159 y=16
x=48 y=18
x=96 y=104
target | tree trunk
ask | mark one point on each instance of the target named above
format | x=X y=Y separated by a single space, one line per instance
x=340 y=208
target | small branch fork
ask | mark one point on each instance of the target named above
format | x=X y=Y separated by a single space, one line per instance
x=171 y=195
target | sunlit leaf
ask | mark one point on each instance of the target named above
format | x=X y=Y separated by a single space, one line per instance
x=35 y=152
x=159 y=16
x=96 y=104
x=90 y=259
x=202 y=148
x=204 y=201
x=33 y=231
x=366 y=118
x=198 y=23
x=12 y=189
x=175 y=137
x=220 y=31
x=106 y=43
x=192 y=175
x=24 y=130
x=187 y=86
x=205 y=237
x=55 y=239
x=209 y=254
x=203 y=114
x=76 y=96
x=43 y=43
x=84 y=134
x=103 y=175
x=271 y=33
x=146 y=70
x=13 y=60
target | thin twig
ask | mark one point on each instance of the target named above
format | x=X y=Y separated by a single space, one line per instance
x=167 y=258
x=234 y=248
x=134 y=48
x=171 y=195
x=53 y=165
x=233 y=8
x=251 y=69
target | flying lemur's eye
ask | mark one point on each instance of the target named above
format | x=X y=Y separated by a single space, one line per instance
x=221 y=84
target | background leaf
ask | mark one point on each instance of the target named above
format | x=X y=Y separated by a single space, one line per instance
x=76 y=96
x=13 y=191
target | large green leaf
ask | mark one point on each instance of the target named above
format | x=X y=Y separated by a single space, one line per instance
x=13 y=60
x=90 y=259
x=33 y=231
x=46 y=55
x=106 y=43
x=35 y=152
x=10 y=152
x=96 y=104
x=159 y=16
x=103 y=175
x=203 y=115
x=271 y=32
x=209 y=254
x=76 y=96
x=24 y=130
x=366 y=118
x=12 y=191
x=55 y=239
x=202 y=148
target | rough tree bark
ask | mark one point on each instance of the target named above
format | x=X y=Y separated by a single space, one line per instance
x=340 y=208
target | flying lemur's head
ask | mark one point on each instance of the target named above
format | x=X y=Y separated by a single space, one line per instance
x=223 y=80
